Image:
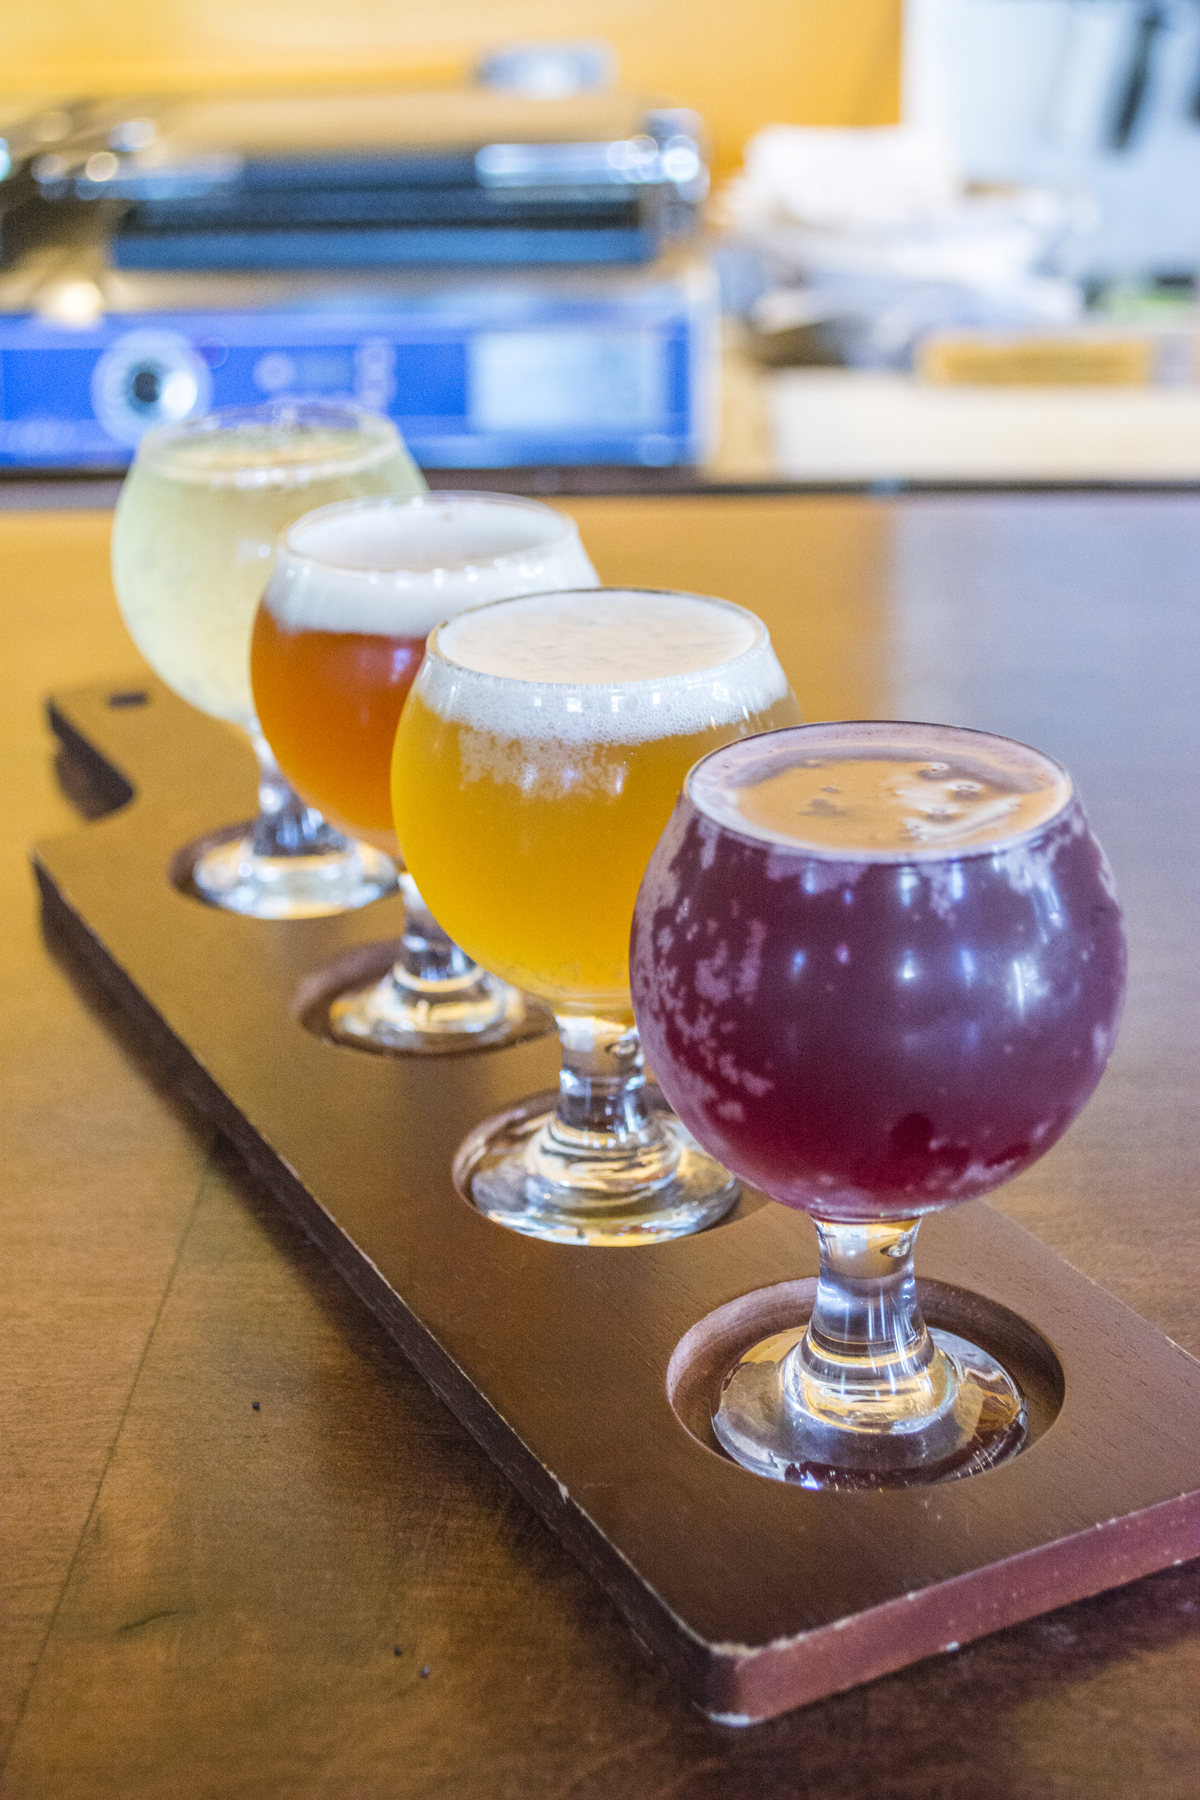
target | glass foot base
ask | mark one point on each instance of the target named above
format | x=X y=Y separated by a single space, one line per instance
x=231 y=875
x=761 y=1426
x=493 y=1173
x=389 y=1017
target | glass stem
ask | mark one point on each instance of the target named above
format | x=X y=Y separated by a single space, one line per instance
x=867 y=1360
x=427 y=955
x=286 y=825
x=604 y=1137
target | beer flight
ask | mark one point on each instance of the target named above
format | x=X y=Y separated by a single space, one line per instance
x=878 y=966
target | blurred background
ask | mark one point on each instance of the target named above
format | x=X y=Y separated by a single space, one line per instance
x=778 y=59
x=934 y=242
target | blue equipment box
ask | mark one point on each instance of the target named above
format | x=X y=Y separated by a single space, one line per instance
x=508 y=369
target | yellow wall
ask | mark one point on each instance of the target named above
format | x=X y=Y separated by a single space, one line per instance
x=819 y=62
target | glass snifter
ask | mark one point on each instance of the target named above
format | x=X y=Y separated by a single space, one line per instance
x=338 y=641
x=193 y=539
x=877 y=969
x=537 y=759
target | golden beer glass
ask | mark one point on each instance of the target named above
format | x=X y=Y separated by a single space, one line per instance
x=193 y=538
x=338 y=640
x=538 y=758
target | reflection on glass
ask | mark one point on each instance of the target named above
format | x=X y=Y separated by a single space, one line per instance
x=338 y=640
x=878 y=969
x=537 y=760
x=193 y=537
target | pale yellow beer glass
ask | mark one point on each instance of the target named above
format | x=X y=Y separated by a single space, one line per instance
x=538 y=758
x=193 y=541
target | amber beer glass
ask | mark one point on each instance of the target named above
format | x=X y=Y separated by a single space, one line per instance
x=539 y=756
x=338 y=640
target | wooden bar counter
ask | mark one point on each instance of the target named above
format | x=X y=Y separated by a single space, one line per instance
x=246 y=1553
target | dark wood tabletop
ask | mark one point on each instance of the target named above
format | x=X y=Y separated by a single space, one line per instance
x=333 y=1593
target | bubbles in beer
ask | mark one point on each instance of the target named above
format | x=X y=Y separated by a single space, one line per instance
x=882 y=791
x=253 y=455
x=397 y=571
x=641 y=666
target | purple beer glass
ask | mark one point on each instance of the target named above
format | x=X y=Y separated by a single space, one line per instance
x=877 y=969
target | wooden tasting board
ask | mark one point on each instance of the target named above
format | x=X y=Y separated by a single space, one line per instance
x=759 y=1596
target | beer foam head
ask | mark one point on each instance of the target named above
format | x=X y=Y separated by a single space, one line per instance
x=271 y=446
x=880 y=791
x=615 y=665
x=397 y=568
